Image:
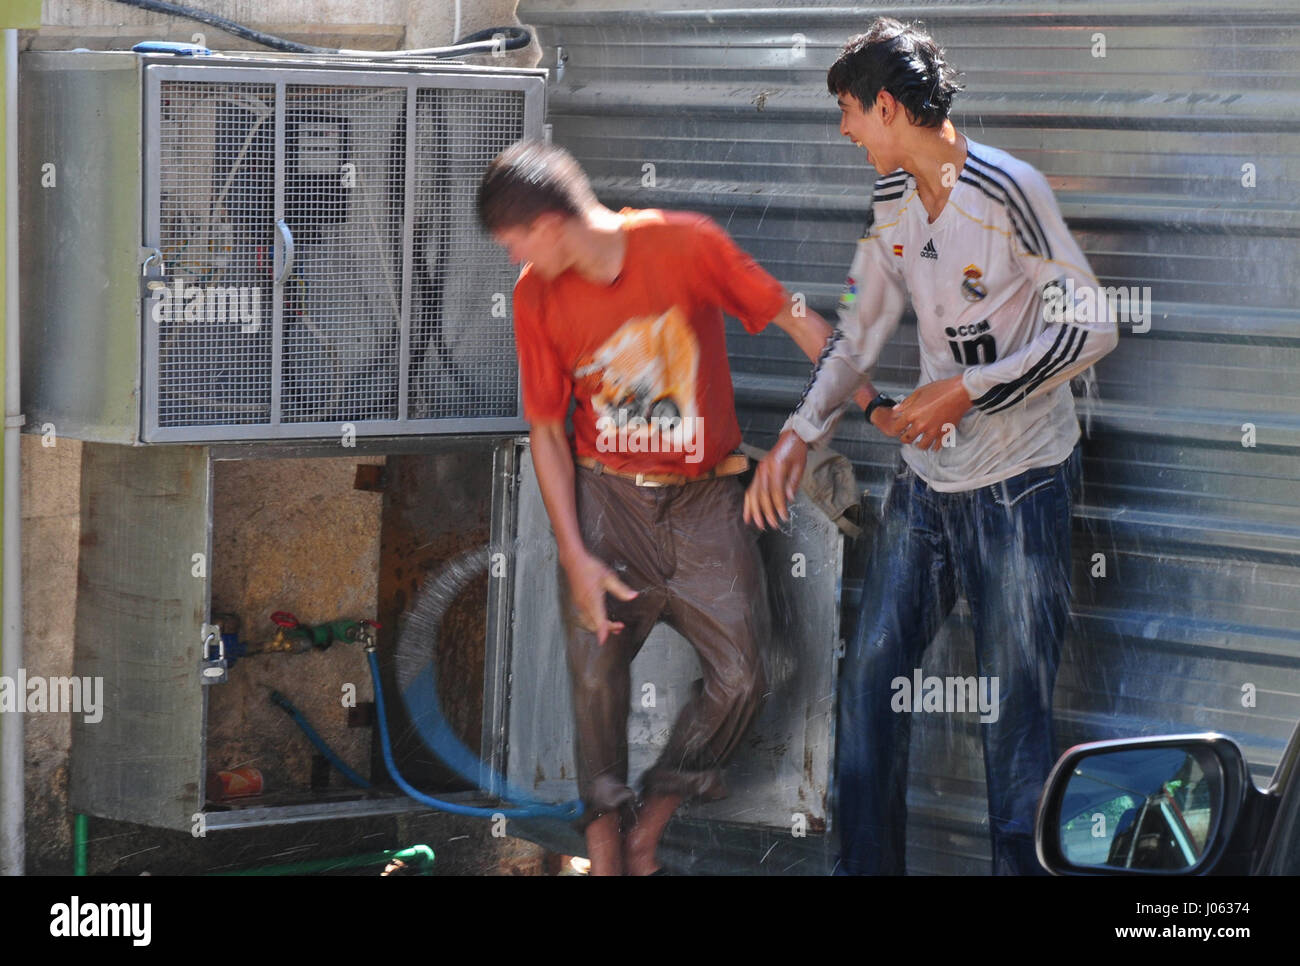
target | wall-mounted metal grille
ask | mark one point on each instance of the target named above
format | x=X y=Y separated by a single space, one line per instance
x=456 y=362
x=216 y=179
x=321 y=262
x=342 y=307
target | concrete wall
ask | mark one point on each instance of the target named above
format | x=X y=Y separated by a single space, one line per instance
x=51 y=495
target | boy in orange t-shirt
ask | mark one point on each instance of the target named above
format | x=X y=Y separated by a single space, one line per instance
x=622 y=312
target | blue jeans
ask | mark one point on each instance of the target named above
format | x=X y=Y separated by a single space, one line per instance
x=1006 y=548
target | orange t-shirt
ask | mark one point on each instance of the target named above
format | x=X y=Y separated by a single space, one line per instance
x=645 y=357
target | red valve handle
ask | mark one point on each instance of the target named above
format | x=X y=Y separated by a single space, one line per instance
x=283 y=618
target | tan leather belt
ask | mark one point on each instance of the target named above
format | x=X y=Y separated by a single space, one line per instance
x=730 y=466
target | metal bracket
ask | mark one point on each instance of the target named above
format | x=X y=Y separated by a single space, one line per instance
x=151 y=283
x=213 y=670
x=149 y=254
x=287 y=237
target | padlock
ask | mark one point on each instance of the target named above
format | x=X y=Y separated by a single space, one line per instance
x=213 y=670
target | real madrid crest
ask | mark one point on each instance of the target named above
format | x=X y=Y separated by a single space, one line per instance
x=971 y=289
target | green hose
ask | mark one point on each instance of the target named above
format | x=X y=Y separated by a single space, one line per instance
x=416 y=853
x=421 y=854
x=80 y=834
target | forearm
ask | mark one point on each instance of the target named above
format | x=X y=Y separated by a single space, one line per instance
x=553 y=461
x=868 y=320
x=588 y=577
x=809 y=330
x=811 y=333
x=1059 y=353
x=834 y=381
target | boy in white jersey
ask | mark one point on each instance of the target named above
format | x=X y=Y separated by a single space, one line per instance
x=981 y=504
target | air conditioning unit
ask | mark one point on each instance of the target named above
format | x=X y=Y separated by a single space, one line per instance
x=264 y=247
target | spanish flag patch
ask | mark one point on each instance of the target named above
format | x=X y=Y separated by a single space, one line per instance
x=898 y=250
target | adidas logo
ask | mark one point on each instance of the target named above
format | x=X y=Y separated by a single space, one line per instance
x=929 y=251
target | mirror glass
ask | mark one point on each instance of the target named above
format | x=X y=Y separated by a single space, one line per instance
x=1148 y=808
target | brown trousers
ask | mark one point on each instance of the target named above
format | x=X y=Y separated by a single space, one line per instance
x=695 y=565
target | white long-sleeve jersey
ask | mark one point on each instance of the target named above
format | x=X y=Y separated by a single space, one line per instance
x=1003 y=297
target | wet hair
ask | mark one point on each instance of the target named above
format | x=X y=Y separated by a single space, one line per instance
x=530 y=179
x=902 y=59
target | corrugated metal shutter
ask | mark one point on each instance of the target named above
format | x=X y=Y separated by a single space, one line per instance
x=1176 y=160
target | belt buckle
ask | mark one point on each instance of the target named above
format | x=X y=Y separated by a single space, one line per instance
x=642 y=481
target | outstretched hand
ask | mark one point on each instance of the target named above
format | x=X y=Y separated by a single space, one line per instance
x=776 y=481
x=589 y=580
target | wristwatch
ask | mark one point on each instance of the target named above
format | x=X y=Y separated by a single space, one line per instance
x=880 y=400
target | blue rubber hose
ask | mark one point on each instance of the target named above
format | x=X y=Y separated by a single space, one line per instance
x=530 y=809
x=429 y=721
x=281 y=701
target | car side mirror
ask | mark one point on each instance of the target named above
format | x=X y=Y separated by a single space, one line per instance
x=1157 y=806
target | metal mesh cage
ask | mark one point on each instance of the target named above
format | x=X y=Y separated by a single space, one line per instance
x=362 y=294
x=462 y=359
x=213 y=316
x=344 y=153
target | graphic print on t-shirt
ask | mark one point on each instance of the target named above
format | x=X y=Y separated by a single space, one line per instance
x=647 y=371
